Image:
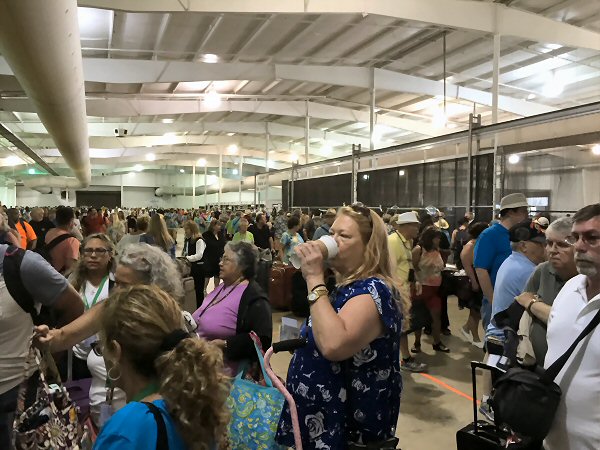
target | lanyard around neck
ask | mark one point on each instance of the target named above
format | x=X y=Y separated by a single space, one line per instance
x=98 y=292
x=152 y=388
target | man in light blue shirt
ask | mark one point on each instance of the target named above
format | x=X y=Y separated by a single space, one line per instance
x=528 y=250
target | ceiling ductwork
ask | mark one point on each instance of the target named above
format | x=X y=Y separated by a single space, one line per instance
x=40 y=41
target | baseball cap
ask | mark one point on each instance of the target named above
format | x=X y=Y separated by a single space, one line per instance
x=330 y=213
x=512 y=201
x=543 y=222
x=526 y=231
x=407 y=217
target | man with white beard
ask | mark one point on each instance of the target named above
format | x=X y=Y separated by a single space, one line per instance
x=575 y=426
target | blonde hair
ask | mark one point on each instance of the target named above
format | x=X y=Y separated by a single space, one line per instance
x=377 y=261
x=159 y=231
x=193 y=228
x=143 y=222
x=190 y=377
x=79 y=275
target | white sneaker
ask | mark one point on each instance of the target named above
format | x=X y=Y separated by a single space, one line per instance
x=478 y=344
x=466 y=335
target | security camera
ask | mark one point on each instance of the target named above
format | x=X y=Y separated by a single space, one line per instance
x=120 y=132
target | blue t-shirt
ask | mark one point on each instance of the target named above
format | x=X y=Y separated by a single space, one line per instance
x=491 y=249
x=134 y=427
x=366 y=386
x=510 y=282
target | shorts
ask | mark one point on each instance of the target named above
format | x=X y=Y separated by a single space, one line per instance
x=486 y=313
x=430 y=296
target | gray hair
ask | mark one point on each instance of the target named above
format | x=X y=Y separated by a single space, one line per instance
x=154 y=266
x=561 y=226
x=516 y=246
x=246 y=256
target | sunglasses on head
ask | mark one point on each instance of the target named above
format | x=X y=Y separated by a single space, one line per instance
x=363 y=210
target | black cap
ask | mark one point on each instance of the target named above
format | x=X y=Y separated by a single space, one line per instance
x=526 y=231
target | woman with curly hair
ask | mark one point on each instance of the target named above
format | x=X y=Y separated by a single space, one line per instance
x=173 y=380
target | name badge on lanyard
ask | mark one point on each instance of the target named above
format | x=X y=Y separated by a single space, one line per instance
x=98 y=292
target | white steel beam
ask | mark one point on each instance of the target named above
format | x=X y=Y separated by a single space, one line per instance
x=115 y=107
x=479 y=16
x=157 y=129
x=154 y=71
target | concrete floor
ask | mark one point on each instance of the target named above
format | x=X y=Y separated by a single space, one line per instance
x=434 y=405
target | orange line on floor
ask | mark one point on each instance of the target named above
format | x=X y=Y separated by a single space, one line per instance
x=447 y=386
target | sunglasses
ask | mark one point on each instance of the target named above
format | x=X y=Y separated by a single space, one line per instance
x=363 y=210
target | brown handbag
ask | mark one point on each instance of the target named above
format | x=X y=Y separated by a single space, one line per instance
x=51 y=422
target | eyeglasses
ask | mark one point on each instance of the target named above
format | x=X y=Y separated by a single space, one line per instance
x=362 y=209
x=560 y=245
x=97 y=251
x=97 y=348
x=225 y=260
x=589 y=239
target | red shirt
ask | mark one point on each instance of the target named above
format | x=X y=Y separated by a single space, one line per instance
x=95 y=224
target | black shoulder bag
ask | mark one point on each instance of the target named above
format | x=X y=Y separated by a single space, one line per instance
x=527 y=400
x=162 y=439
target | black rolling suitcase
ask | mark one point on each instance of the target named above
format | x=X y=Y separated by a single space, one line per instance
x=482 y=435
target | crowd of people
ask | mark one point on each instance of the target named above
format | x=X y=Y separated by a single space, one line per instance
x=112 y=280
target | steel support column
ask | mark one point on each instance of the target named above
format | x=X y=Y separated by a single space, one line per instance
x=372 y=112
x=267 y=145
x=220 y=179
x=206 y=186
x=355 y=163
x=474 y=122
x=306 y=134
x=241 y=175
x=193 y=185
x=496 y=180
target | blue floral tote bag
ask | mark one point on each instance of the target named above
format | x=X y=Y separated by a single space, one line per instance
x=255 y=411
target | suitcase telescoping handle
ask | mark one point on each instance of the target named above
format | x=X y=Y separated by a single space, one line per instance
x=477 y=365
x=289 y=346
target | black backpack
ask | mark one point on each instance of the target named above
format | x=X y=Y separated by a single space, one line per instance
x=46 y=249
x=11 y=269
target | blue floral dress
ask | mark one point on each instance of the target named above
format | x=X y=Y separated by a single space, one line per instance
x=355 y=400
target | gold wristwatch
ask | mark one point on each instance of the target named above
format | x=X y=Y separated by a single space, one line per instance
x=315 y=294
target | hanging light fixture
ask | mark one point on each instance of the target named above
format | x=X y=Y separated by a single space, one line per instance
x=212 y=100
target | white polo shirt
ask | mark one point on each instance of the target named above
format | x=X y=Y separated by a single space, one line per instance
x=577 y=422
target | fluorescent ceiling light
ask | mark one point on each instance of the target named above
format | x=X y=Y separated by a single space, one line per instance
x=530 y=96
x=138 y=167
x=13 y=160
x=439 y=119
x=181 y=171
x=202 y=162
x=294 y=157
x=234 y=171
x=212 y=100
x=326 y=149
x=169 y=138
x=596 y=149
x=168 y=120
x=31 y=171
x=555 y=85
x=401 y=173
x=232 y=148
x=210 y=58
x=514 y=159
x=230 y=134
x=150 y=156
x=377 y=134
x=365 y=177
